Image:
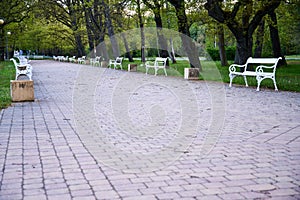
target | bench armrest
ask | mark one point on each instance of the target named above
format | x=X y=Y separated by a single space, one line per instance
x=233 y=67
x=22 y=67
x=149 y=63
x=260 y=68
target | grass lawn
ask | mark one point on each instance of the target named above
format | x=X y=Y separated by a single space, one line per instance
x=7 y=73
x=287 y=78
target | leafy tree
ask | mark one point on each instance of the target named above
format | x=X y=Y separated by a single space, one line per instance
x=183 y=27
x=242 y=18
x=120 y=23
x=69 y=13
x=12 y=11
x=155 y=6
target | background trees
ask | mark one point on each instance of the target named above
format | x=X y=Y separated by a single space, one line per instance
x=77 y=27
x=12 y=12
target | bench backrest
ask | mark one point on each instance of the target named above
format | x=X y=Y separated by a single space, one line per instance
x=15 y=62
x=263 y=60
x=19 y=67
x=97 y=58
x=271 y=61
x=119 y=60
x=160 y=62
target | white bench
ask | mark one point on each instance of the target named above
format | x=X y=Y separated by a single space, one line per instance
x=72 y=59
x=95 y=61
x=117 y=62
x=159 y=63
x=22 y=69
x=261 y=72
x=81 y=60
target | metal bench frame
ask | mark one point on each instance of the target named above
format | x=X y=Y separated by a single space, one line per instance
x=159 y=63
x=261 y=72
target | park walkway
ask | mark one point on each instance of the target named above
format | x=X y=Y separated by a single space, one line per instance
x=95 y=133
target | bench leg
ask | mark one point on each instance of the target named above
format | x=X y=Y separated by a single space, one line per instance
x=274 y=81
x=245 y=79
x=259 y=79
x=231 y=76
x=165 y=71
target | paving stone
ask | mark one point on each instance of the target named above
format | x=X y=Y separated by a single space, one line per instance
x=284 y=192
x=44 y=155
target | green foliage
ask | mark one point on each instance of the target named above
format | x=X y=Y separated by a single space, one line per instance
x=215 y=55
x=7 y=73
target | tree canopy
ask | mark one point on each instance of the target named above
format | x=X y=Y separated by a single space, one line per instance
x=88 y=27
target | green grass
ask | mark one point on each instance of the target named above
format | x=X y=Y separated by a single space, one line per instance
x=7 y=73
x=287 y=78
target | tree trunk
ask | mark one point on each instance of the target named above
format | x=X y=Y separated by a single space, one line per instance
x=221 y=45
x=244 y=48
x=96 y=16
x=172 y=52
x=143 y=58
x=128 y=54
x=163 y=45
x=162 y=42
x=187 y=42
x=275 y=38
x=89 y=30
x=101 y=49
x=80 y=46
x=259 y=39
x=74 y=17
x=2 y=49
x=110 y=30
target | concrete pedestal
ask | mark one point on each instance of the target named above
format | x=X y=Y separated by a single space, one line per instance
x=132 y=67
x=191 y=73
x=104 y=64
x=21 y=90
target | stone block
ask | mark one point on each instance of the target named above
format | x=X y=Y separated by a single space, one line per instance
x=191 y=73
x=132 y=67
x=21 y=90
x=104 y=64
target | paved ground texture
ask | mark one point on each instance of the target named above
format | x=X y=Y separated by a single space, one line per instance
x=95 y=133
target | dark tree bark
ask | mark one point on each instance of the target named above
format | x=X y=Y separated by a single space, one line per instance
x=75 y=15
x=128 y=54
x=242 y=30
x=183 y=27
x=162 y=42
x=123 y=35
x=171 y=50
x=110 y=30
x=96 y=25
x=89 y=30
x=143 y=58
x=275 y=39
x=259 y=39
x=221 y=45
